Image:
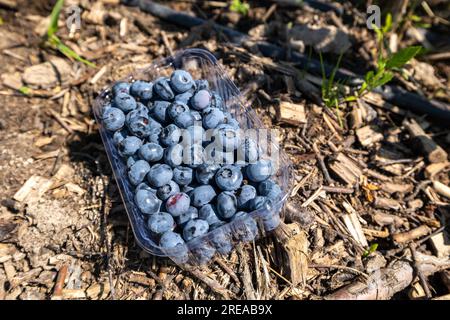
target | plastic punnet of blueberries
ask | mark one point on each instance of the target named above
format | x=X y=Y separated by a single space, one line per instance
x=188 y=183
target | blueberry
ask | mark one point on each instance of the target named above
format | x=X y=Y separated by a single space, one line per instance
x=193 y=135
x=175 y=109
x=182 y=175
x=118 y=136
x=269 y=189
x=187 y=189
x=203 y=253
x=193 y=156
x=195 y=228
x=229 y=120
x=173 y=155
x=244 y=195
x=271 y=222
x=113 y=119
x=197 y=115
x=214 y=155
x=183 y=97
x=147 y=201
x=144 y=186
x=162 y=88
x=260 y=203
x=208 y=213
x=260 y=170
x=248 y=151
x=121 y=87
x=181 y=81
x=124 y=102
x=226 y=204
x=151 y=152
x=160 y=222
x=227 y=137
x=202 y=195
x=201 y=100
x=205 y=172
x=141 y=90
x=212 y=117
x=229 y=178
x=138 y=171
x=178 y=204
x=159 y=175
x=129 y=146
x=191 y=214
x=141 y=124
x=201 y=84
x=184 y=120
x=131 y=160
x=245 y=227
x=170 y=135
x=159 y=111
x=171 y=239
x=216 y=101
x=217 y=224
x=167 y=190
x=221 y=240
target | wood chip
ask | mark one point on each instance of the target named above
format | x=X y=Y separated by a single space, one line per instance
x=432 y=169
x=441 y=189
x=369 y=135
x=385 y=219
x=33 y=188
x=292 y=113
x=411 y=234
x=441 y=245
x=346 y=169
x=353 y=225
x=386 y=203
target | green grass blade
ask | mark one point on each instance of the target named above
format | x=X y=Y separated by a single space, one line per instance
x=65 y=50
x=54 y=16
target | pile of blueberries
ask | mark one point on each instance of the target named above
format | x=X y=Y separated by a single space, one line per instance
x=191 y=168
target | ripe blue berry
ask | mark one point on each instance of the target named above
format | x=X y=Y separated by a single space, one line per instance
x=227 y=137
x=246 y=228
x=248 y=151
x=201 y=100
x=229 y=178
x=183 y=97
x=192 y=135
x=129 y=146
x=195 y=228
x=113 y=119
x=269 y=189
x=184 y=120
x=221 y=240
x=151 y=152
x=147 y=201
x=245 y=194
x=191 y=214
x=201 y=84
x=215 y=155
x=159 y=111
x=197 y=115
x=121 y=87
x=118 y=136
x=170 y=135
x=202 y=195
x=260 y=170
x=178 y=204
x=162 y=88
x=229 y=120
x=144 y=186
x=193 y=156
x=173 y=155
x=208 y=213
x=131 y=160
x=124 y=102
x=272 y=222
x=182 y=175
x=138 y=171
x=160 y=222
x=203 y=252
x=171 y=239
x=205 y=172
x=212 y=117
x=167 y=190
x=226 y=204
x=260 y=203
x=142 y=90
x=175 y=109
x=181 y=81
x=159 y=175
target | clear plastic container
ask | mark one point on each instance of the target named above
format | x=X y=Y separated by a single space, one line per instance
x=202 y=65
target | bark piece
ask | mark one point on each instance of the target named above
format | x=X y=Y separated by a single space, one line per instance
x=441 y=244
x=292 y=113
x=386 y=203
x=385 y=219
x=411 y=234
x=346 y=169
x=442 y=189
x=390 y=187
x=432 y=169
x=369 y=135
x=430 y=149
x=34 y=188
x=353 y=225
x=294 y=252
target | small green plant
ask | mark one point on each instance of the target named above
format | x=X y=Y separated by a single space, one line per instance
x=52 y=40
x=373 y=247
x=240 y=7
